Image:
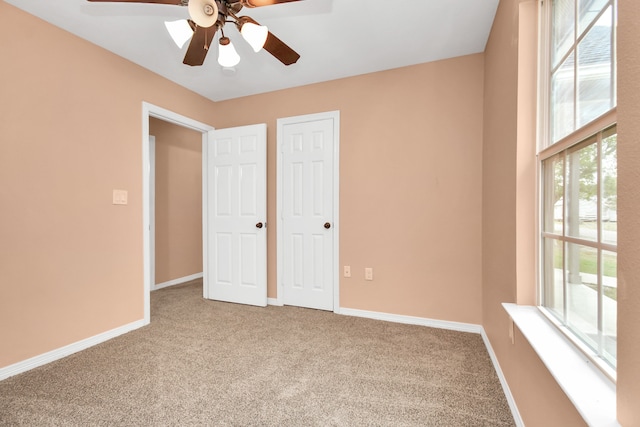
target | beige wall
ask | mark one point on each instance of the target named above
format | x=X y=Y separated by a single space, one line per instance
x=628 y=213
x=539 y=399
x=178 y=207
x=410 y=183
x=70 y=133
x=72 y=261
x=507 y=223
x=428 y=197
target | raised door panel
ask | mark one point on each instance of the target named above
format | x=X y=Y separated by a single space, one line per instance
x=307 y=204
x=237 y=195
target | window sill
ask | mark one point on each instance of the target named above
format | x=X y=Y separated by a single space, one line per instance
x=591 y=392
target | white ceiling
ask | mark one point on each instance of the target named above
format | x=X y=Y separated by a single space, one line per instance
x=335 y=38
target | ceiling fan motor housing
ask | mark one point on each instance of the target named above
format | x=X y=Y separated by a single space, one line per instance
x=234 y=5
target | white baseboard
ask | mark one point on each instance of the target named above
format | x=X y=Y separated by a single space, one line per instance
x=43 y=359
x=177 y=281
x=274 y=301
x=454 y=326
x=411 y=320
x=53 y=355
x=505 y=387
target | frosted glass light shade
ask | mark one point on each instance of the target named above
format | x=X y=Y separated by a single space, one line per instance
x=227 y=55
x=255 y=35
x=180 y=31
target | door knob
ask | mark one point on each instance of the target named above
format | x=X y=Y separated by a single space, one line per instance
x=259 y=225
x=327 y=225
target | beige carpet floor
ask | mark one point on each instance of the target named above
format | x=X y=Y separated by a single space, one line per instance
x=209 y=363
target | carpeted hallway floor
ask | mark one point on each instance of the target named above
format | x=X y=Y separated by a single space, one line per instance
x=208 y=363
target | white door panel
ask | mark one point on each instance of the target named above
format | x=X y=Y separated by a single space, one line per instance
x=307 y=211
x=237 y=238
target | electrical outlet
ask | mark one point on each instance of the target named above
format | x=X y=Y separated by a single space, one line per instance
x=120 y=197
x=347 y=271
x=368 y=273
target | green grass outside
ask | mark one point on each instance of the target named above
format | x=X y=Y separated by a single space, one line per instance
x=589 y=265
x=589 y=262
x=608 y=291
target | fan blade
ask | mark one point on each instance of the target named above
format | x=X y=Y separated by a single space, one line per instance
x=199 y=46
x=259 y=3
x=280 y=50
x=175 y=2
x=274 y=45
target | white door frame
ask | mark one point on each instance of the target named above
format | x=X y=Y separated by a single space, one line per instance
x=152 y=212
x=335 y=116
x=150 y=110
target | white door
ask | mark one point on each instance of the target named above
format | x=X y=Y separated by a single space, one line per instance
x=235 y=231
x=307 y=171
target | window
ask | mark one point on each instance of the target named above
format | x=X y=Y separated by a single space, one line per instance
x=578 y=250
x=581 y=64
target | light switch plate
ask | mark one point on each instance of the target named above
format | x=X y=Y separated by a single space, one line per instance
x=120 y=197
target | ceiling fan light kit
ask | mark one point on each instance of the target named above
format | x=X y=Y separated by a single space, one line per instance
x=209 y=16
x=180 y=31
x=255 y=35
x=227 y=55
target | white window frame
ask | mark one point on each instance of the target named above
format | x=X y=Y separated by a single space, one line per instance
x=547 y=149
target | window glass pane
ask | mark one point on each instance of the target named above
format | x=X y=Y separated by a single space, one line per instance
x=582 y=292
x=554 y=188
x=609 y=185
x=553 y=282
x=578 y=282
x=587 y=12
x=595 y=71
x=609 y=305
x=563 y=34
x=582 y=192
x=562 y=100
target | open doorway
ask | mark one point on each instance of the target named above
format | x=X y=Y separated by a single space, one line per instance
x=176 y=203
x=157 y=117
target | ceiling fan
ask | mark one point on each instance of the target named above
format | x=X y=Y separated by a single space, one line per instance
x=209 y=16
